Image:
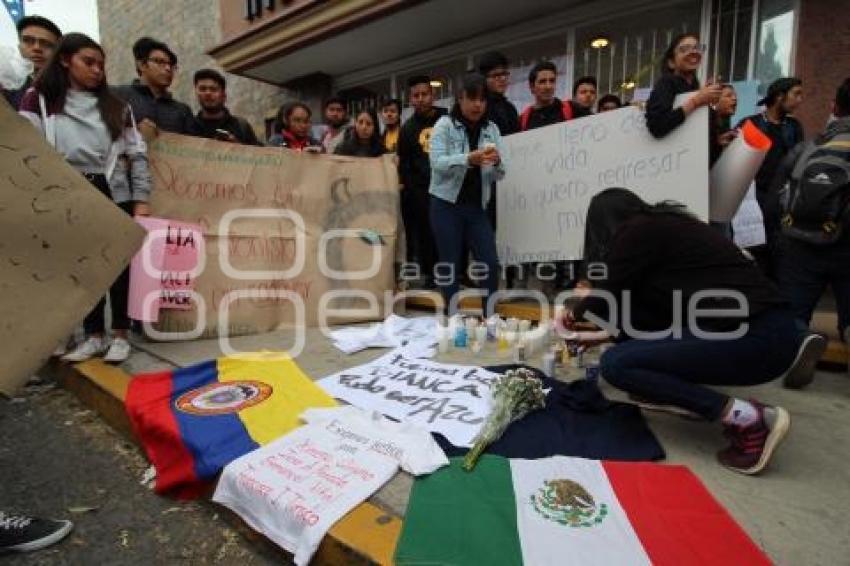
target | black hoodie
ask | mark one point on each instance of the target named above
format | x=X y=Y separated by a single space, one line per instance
x=503 y=113
x=414 y=166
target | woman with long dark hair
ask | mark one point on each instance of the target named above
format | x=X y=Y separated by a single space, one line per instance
x=292 y=128
x=679 y=67
x=687 y=309
x=71 y=103
x=363 y=137
x=465 y=163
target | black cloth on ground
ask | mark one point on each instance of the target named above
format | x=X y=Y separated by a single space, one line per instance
x=576 y=421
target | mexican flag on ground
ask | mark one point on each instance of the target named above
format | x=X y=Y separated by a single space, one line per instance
x=562 y=511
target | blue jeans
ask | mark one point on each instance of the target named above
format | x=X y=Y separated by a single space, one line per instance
x=670 y=371
x=805 y=271
x=455 y=225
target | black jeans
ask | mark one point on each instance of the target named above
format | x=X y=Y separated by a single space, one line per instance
x=670 y=371
x=417 y=228
x=805 y=271
x=458 y=224
x=95 y=321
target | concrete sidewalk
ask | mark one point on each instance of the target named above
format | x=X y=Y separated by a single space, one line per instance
x=794 y=511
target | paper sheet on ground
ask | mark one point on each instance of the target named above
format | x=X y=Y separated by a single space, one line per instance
x=419 y=333
x=450 y=399
x=748 y=222
x=62 y=244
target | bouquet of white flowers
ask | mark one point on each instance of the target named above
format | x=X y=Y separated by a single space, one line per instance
x=515 y=394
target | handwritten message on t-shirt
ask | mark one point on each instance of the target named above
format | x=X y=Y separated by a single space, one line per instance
x=295 y=488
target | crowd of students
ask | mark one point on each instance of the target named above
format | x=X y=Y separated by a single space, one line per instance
x=450 y=162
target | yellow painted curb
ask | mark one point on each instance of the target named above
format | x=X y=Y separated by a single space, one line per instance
x=366 y=535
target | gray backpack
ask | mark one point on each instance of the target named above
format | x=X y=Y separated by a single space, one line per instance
x=817 y=209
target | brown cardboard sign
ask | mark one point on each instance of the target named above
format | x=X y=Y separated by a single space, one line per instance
x=62 y=244
x=281 y=227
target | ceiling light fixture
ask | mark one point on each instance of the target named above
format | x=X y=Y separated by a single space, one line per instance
x=436 y=83
x=599 y=43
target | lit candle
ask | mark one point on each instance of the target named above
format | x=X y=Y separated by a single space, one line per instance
x=481 y=333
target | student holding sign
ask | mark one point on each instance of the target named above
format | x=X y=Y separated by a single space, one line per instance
x=465 y=162
x=690 y=310
x=73 y=106
x=679 y=75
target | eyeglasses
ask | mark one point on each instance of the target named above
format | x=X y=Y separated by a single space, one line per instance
x=499 y=75
x=163 y=63
x=691 y=48
x=29 y=41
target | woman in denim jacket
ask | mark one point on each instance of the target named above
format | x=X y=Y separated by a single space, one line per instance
x=461 y=181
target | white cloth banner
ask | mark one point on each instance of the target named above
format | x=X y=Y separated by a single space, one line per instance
x=453 y=400
x=419 y=333
x=295 y=488
x=748 y=222
x=541 y=485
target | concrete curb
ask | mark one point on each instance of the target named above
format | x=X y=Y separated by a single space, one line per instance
x=366 y=535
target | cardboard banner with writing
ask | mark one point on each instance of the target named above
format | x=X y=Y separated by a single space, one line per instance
x=282 y=229
x=62 y=244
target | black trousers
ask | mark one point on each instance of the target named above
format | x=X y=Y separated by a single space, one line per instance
x=415 y=204
x=95 y=321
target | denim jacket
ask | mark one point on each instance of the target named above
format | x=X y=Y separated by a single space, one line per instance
x=449 y=150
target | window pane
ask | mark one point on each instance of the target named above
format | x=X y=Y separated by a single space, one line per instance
x=730 y=42
x=776 y=33
x=632 y=59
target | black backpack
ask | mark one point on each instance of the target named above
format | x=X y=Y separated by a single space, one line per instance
x=818 y=199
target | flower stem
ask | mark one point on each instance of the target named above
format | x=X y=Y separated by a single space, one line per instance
x=472 y=456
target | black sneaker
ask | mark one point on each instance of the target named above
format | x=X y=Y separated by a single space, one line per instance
x=802 y=370
x=19 y=533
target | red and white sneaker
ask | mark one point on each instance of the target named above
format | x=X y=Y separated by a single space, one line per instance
x=752 y=446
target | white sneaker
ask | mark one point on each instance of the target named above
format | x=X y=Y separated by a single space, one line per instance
x=91 y=347
x=119 y=351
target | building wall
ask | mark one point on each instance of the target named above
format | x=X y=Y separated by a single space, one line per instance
x=823 y=49
x=190 y=28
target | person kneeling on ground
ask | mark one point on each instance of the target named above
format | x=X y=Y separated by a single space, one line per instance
x=465 y=162
x=739 y=331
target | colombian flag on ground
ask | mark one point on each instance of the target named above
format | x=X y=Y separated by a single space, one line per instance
x=195 y=420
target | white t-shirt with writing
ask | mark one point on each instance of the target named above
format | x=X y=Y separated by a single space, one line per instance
x=294 y=489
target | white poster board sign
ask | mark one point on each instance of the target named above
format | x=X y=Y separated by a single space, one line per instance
x=450 y=399
x=553 y=172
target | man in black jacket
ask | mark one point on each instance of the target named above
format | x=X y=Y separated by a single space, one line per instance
x=214 y=121
x=502 y=112
x=37 y=40
x=783 y=97
x=148 y=96
x=806 y=268
x=415 y=173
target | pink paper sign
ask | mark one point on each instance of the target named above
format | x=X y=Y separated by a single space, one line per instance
x=162 y=273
